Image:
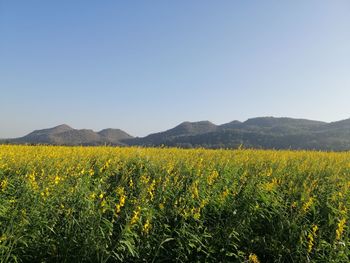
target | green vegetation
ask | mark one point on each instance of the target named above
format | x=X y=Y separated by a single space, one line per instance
x=104 y=204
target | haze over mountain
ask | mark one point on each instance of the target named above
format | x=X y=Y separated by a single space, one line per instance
x=262 y=132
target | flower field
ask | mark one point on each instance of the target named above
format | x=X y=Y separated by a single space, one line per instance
x=105 y=204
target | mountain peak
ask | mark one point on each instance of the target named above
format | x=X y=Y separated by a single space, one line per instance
x=278 y=121
x=54 y=130
x=205 y=122
x=114 y=135
x=193 y=127
x=231 y=125
x=62 y=127
x=268 y=120
x=109 y=130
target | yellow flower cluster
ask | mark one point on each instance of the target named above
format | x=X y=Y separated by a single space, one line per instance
x=340 y=229
x=253 y=258
x=3 y=184
x=146 y=227
x=136 y=215
x=212 y=177
x=311 y=238
x=308 y=204
x=120 y=191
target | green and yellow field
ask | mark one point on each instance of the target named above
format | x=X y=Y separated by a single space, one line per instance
x=104 y=204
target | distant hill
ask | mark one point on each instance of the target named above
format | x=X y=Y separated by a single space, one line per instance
x=114 y=135
x=65 y=135
x=262 y=133
x=183 y=129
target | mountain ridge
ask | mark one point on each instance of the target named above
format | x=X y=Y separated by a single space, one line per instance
x=259 y=132
x=66 y=135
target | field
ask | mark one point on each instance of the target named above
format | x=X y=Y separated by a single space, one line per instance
x=104 y=204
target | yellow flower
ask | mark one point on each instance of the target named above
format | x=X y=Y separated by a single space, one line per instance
x=103 y=205
x=196 y=212
x=32 y=181
x=194 y=190
x=122 y=197
x=57 y=179
x=340 y=229
x=146 y=227
x=118 y=208
x=308 y=204
x=136 y=215
x=203 y=203
x=224 y=194
x=4 y=184
x=151 y=189
x=122 y=200
x=45 y=193
x=311 y=236
x=271 y=186
x=253 y=258
x=212 y=177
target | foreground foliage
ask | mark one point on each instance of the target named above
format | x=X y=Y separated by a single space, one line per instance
x=104 y=204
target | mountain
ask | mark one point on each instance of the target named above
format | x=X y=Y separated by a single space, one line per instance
x=183 y=129
x=191 y=128
x=114 y=135
x=261 y=133
x=44 y=136
x=65 y=135
x=231 y=125
x=280 y=126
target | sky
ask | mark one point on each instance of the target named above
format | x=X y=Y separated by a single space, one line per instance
x=146 y=66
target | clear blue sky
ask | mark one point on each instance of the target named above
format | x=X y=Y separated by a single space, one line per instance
x=145 y=66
